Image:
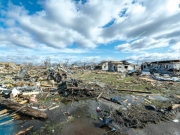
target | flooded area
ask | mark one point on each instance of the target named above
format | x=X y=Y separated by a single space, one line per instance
x=7 y=127
x=81 y=117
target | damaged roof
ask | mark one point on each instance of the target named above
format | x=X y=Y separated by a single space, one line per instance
x=165 y=61
x=115 y=62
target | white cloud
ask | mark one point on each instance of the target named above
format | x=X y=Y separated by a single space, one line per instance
x=63 y=22
x=47 y=49
x=142 y=44
x=172 y=6
x=60 y=24
x=175 y=48
x=149 y=57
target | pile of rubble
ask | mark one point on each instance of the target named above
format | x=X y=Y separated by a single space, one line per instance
x=19 y=87
x=26 y=83
x=137 y=117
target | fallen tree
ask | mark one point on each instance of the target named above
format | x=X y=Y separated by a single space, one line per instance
x=23 y=109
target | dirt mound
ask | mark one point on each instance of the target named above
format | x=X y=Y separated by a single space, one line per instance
x=139 y=117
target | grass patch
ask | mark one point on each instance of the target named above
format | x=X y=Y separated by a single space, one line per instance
x=93 y=116
x=161 y=104
x=114 y=81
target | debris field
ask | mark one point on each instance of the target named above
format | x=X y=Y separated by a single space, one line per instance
x=123 y=100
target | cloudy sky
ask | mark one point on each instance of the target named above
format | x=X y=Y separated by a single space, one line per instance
x=86 y=30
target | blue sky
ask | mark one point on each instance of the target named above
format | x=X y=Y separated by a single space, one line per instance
x=83 y=30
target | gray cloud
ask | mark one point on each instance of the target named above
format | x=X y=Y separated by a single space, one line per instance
x=172 y=41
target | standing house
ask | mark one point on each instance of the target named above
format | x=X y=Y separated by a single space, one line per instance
x=164 y=67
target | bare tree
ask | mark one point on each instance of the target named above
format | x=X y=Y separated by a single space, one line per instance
x=137 y=62
x=84 y=65
x=28 y=65
x=93 y=62
x=47 y=62
x=66 y=62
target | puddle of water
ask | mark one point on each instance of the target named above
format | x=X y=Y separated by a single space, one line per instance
x=83 y=124
x=6 y=125
x=85 y=120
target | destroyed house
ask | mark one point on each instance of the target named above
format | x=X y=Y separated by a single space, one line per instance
x=163 y=67
x=6 y=64
x=115 y=66
x=74 y=66
x=125 y=67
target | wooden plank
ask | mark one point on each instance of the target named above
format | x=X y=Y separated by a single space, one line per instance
x=24 y=131
x=3 y=111
x=23 y=110
x=138 y=91
x=174 y=106
x=23 y=102
x=4 y=115
x=30 y=93
x=147 y=101
x=99 y=95
x=147 y=79
x=54 y=107
x=46 y=85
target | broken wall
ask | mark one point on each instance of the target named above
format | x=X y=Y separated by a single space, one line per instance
x=105 y=66
x=165 y=68
x=125 y=68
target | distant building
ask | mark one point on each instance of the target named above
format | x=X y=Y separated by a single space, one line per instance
x=74 y=66
x=163 y=67
x=116 y=66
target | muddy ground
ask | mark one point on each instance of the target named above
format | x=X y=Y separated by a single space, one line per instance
x=82 y=118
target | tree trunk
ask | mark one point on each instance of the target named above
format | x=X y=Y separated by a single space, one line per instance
x=23 y=110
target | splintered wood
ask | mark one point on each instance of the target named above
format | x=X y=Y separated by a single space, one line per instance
x=147 y=79
x=23 y=109
x=99 y=95
x=24 y=131
x=175 y=106
x=23 y=102
x=3 y=111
